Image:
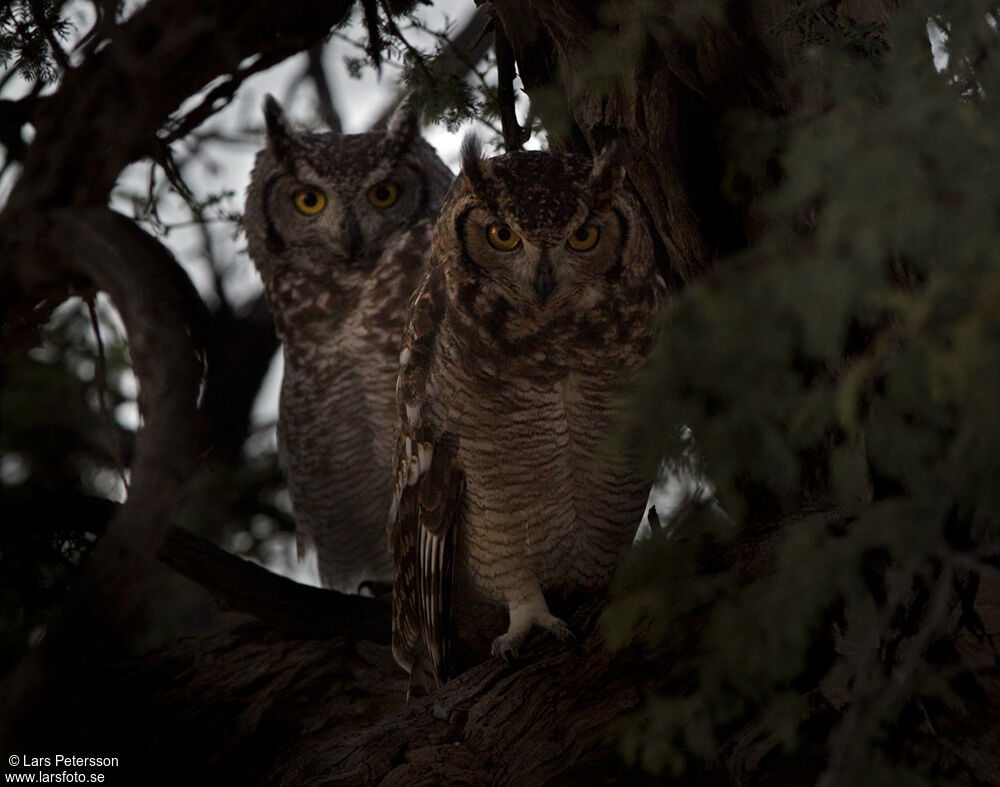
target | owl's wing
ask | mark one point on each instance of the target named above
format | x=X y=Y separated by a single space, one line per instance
x=427 y=497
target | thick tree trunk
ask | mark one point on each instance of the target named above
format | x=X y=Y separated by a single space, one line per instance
x=673 y=109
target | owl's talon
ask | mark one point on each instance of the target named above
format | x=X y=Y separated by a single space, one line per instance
x=506 y=646
x=561 y=631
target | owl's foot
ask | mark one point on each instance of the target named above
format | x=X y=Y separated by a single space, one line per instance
x=523 y=618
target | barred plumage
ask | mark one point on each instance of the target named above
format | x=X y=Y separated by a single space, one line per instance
x=538 y=307
x=339 y=227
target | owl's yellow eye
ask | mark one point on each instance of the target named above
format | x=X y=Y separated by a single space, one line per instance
x=503 y=237
x=384 y=194
x=585 y=238
x=310 y=201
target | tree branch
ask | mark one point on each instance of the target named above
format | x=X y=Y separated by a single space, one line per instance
x=244 y=586
x=58 y=53
x=514 y=136
x=317 y=73
x=235 y=583
x=122 y=94
x=163 y=317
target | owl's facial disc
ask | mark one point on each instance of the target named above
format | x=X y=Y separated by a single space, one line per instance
x=310 y=217
x=542 y=268
x=344 y=197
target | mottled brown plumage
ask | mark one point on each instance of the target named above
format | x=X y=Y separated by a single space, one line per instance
x=518 y=345
x=339 y=266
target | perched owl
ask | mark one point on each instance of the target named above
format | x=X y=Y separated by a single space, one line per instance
x=537 y=309
x=339 y=226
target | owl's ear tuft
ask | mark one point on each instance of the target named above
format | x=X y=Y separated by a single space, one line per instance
x=401 y=131
x=472 y=162
x=608 y=172
x=404 y=124
x=279 y=130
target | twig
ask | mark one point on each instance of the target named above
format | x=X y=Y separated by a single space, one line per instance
x=374 y=48
x=317 y=73
x=58 y=53
x=412 y=51
x=101 y=378
x=208 y=252
x=173 y=225
x=217 y=98
x=514 y=136
x=864 y=712
x=470 y=44
x=468 y=47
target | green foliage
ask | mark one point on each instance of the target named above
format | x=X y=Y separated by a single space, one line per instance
x=449 y=80
x=24 y=46
x=443 y=91
x=848 y=362
x=446 y=83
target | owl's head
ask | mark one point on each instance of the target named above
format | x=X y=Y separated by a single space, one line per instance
x=330 y=201
x=539 y=234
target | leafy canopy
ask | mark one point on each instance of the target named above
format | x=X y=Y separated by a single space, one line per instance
x=848 y=363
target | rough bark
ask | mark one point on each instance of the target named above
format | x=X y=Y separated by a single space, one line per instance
x=262 y=703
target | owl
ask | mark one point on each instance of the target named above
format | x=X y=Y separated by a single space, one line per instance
x=537 y=310
x=339 y=227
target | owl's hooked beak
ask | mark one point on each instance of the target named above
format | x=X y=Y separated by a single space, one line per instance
x=350 y=234
x=544 y=279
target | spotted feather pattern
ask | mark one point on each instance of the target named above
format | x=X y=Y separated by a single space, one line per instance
x=506 y=484
x=338 y=283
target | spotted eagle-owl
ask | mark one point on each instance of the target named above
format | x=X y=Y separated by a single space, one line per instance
x=339 y=227
x=537 y=309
